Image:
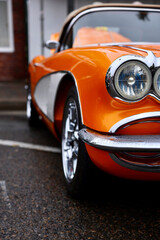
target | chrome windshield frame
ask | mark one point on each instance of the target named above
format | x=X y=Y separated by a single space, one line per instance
x=98 y=9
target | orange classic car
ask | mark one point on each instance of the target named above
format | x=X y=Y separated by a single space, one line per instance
x=99 y=92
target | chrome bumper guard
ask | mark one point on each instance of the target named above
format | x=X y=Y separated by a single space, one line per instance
x=117 y=143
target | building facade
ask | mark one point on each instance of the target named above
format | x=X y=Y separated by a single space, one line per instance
x=13 y=58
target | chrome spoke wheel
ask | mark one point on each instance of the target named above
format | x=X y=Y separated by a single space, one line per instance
x=77 y=167
x=70 y=141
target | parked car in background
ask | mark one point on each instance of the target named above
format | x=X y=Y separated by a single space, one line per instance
x=99 y=92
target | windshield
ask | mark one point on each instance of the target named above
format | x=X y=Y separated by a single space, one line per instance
x=115 y=26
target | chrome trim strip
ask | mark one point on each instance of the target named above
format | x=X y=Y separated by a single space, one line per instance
x=128 y=44
x=78 y=96
x=98 y=9
x=142 y=156
x=118 y=44
x=118 y=143
x=46 y=92
x=151 y=60
x=147 y=121
x=132 y=118
x=136 y=167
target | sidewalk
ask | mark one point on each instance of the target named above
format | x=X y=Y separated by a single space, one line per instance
x=12 y=96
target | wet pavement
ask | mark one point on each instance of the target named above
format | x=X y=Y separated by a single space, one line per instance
x=35 y=205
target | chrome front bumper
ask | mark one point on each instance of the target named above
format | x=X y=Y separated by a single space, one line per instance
x=117 y=143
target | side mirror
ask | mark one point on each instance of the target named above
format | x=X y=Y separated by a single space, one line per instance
x=51 y=44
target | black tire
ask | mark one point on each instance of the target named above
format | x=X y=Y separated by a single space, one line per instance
x=32 y=115
x=77 y=176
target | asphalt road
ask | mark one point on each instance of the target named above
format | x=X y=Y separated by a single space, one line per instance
x=34 y=203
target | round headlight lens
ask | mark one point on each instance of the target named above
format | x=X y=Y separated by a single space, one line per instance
x=156 y=82
x=133 y=80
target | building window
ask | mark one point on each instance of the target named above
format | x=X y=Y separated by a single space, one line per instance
x=6 y=26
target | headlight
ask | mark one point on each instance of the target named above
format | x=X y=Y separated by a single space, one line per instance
x=156 y=82
x=133 y=80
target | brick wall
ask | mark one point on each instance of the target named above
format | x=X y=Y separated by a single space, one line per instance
x=13 y=66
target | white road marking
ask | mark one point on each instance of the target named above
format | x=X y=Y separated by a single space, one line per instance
x=29 y=146
x=3 y=190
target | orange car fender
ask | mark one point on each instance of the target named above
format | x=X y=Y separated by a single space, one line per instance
x=99 y=110
x=88 y=68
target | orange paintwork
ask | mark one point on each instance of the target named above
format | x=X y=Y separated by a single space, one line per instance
x=142 y=127
x=100 y=111
x=94 y=63
x=54 y=37
x=102 y=160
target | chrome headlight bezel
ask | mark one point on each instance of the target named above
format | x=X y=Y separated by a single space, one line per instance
x=155 y=80
x=128 y=90
x=150 y=61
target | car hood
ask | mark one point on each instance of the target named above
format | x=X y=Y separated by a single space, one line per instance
x=101 y=57
x=117 y=50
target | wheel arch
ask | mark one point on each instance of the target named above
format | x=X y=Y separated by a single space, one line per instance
x=66 y=83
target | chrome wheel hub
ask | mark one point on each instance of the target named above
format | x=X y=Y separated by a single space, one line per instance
x=70 y=140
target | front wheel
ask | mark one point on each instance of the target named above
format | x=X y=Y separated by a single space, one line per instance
x=77 y=167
